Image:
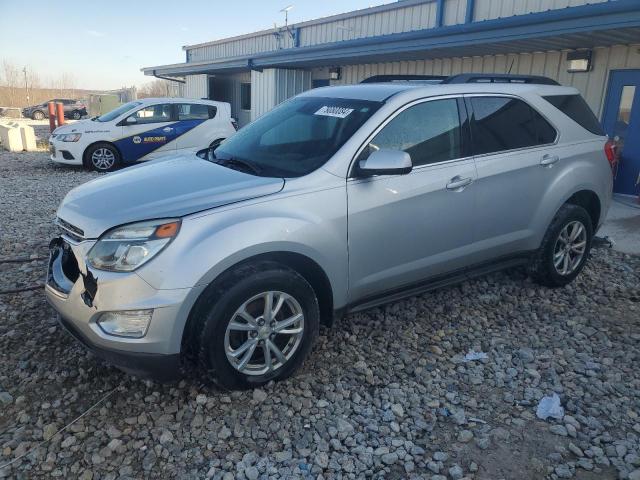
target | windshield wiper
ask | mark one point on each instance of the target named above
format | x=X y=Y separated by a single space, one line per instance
x=238 y=164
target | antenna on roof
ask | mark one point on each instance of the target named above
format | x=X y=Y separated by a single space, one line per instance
x=286 y=15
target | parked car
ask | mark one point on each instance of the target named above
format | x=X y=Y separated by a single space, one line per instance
x=75 y=109
x=142 y=130
x=338 y=200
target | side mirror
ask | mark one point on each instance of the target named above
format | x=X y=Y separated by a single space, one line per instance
x=131 y=120
x=386 y=162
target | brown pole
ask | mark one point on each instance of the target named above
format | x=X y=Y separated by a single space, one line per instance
x=60 y=113
x=52 y=116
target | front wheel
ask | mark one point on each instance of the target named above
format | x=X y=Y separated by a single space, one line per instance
x=257 y=325
x=102 y=157
x=76 y=115
x=564 y=249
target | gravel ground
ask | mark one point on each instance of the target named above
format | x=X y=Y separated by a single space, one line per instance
x=385 y=394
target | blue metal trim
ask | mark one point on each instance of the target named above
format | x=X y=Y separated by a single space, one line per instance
x=439 y=13
x=551 y=23
x=468 y=16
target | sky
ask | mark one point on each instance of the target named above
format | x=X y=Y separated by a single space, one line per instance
x=103 y=44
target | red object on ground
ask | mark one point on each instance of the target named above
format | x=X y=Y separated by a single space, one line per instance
x=52 y=116
x=60 y=113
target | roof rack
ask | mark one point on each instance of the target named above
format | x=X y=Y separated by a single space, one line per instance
x=498 y=78
x=405 y=78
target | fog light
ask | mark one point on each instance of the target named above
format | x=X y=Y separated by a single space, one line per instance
x=130 y=323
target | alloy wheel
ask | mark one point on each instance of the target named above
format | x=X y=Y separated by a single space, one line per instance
x=570 y=248
x=103 y=159
x=264 y=333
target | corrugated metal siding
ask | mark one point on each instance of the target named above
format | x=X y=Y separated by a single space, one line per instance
x=454 y=12
x=551 y=64
x=274 y=85
x=488 y=9
x=196 y=86
x=402 y=19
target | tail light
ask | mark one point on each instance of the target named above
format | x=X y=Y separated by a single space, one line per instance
x=234 y=124
x=610 y=152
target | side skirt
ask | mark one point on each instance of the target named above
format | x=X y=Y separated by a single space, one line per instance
x=440 y=281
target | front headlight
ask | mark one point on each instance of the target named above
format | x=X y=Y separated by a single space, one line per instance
x=70 y=137
x=126 y=248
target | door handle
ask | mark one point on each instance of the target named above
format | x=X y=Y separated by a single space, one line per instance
x=458 y=183
x=167 y=129
x=548 y=160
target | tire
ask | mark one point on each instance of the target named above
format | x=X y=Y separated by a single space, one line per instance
x=76 y=115
x=37 y=115
x=550 y=266
x=219 y=346
x=102 y=157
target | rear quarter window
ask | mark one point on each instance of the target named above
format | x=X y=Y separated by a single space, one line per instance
x=574 y=107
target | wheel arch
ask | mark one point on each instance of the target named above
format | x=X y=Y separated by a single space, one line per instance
x=302 y=264
x=86 y=151
x=589 y=200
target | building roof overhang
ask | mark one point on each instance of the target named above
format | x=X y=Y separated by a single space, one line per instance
x=601 y=24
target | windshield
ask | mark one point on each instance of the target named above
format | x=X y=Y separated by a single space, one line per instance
x=107 y=117
x=298 y=136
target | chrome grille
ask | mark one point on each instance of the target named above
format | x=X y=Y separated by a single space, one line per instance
x=72 y=231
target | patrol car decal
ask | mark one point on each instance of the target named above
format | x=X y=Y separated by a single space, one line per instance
x=134 y=147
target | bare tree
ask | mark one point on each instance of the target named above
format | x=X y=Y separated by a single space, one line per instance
x=11 y=79
x=155 y=88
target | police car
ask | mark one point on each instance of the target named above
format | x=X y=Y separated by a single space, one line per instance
x=142 y=130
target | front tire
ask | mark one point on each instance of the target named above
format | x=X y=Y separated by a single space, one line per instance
x=37 y=115
x=102 y=157
x=564 y=249
x=76 y=115
x=256 y=325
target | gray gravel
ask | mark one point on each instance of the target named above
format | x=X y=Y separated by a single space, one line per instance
x=385 y=394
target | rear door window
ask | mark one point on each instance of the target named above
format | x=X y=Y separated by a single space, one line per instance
x=502 y=123
x=574 y=107
x=195 y=111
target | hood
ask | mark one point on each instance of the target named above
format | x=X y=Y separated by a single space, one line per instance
x=159 y=189
x=81 y=126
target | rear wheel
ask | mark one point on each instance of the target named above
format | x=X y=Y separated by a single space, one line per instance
x=565 y=247
x=37 y=115
x=257 y=325
x=102 y=157
x=76 y=115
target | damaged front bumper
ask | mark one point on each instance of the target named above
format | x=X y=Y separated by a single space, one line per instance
x=81 y=295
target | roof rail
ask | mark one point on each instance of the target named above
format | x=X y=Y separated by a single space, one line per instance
x=499 y=78
x=405 y=78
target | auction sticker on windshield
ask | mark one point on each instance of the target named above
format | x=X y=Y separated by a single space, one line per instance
x=339 y=112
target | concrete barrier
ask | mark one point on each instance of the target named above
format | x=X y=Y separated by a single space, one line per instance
x=11 y=137
x=28 y=138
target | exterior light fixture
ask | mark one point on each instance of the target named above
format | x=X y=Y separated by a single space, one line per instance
x=579 y=61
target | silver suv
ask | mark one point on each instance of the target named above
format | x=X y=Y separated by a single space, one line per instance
x=338 y=200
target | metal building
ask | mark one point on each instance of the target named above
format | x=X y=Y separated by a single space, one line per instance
x=593 y=45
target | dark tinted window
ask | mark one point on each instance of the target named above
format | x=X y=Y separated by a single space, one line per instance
x=577 y=109
x=429 y=132
x=546 y=133
x=245 y=96
x=502 y=123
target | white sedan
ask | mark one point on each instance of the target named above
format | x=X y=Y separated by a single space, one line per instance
x=142 y=130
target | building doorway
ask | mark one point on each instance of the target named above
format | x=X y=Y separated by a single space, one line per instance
x=621 y=121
